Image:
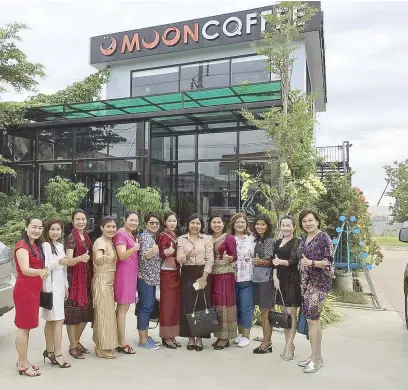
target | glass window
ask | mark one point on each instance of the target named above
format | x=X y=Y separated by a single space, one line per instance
x=56 y=144
x=23 y=182
x=185 y=147
x=155 y=81
x=21 y=148
x=253 y=143
x=217 y=188
x=249 y=70
x=51 y=170
x=217 y=145
x=163 y=148
x=96 y=141
x=205 y=75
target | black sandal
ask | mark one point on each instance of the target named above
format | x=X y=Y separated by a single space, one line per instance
x=219 y=347
x=76 y=353
x=260 y=351
x=57 y=363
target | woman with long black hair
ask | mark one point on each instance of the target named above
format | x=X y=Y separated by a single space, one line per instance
x=31 y=272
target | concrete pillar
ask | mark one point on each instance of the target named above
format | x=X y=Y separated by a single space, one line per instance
x=343 y=281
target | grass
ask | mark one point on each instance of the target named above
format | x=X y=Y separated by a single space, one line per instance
x=389 y=241
x=354 y=298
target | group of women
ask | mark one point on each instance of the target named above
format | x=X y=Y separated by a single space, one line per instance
x=233 y=271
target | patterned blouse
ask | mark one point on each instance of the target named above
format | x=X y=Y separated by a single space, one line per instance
x=320 y=248
x=265 y=250
x=149 y=270
x=245 y=254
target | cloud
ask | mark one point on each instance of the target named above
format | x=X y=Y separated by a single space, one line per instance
x=366 y=55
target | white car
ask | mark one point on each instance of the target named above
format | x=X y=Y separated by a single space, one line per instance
x=7 y=280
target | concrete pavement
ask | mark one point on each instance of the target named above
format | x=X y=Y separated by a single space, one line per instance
x=367 y=350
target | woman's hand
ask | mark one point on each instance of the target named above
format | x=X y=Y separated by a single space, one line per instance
x=136 y=246
x=257 y=261
x=44 y=273
x=227 y=258
x=305 y=262
x=202 y=282
x=85 y=257
x=277 y=261
x=169 y=251
x=63 y=262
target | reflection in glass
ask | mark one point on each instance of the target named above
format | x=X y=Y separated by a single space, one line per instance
x=23 y=182
x=217 y=145
x=164 y=149
x=253 y=143
x=20 y=148
x=50 y=170
x=217 y=188
x=185 y=147
x=155 y=81
x=204 y=75
x=56 y=144
x=249 y=69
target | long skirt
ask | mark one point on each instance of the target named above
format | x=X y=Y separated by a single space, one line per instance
x=169 y=304
x=224 y=302
x=189 y=275
x=104 y=327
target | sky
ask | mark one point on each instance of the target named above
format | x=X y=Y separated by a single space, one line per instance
x=366 y=53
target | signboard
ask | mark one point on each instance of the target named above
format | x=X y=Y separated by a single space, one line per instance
x=237 y=27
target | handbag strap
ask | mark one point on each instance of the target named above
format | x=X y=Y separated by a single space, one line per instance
x=284 y=305
x=205 y=301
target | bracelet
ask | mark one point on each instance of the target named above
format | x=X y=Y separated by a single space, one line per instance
x=313 y=263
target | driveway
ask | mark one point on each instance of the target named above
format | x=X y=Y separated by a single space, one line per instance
x=367 y=350
x=388 y=278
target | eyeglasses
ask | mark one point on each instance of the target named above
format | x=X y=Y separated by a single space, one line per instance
x=154 y=223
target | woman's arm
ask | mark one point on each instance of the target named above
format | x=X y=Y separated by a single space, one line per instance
x=208 y=256
x=71 y=259
x=181 y=254
x=123 y=253
x=24 y=264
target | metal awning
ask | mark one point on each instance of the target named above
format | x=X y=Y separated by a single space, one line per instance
x=163 y=104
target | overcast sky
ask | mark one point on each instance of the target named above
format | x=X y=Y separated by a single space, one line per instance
x=366 y=53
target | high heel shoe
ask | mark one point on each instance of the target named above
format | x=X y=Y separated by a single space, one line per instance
x=260 y=351
x=28 y=371
x=167 y=345
x=57 y=363
x=50 y=356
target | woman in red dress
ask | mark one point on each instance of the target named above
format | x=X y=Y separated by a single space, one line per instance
x=29 y=260
x=169 y=284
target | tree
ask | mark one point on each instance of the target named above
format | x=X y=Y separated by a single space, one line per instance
x=290 y=128
x=65 y=196
x=397 y=178
x=142 y=200
x=15 y=70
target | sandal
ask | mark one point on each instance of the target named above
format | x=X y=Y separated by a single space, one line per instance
x=76 y=353
x=28 y=371
x=260 y=351
x=83 y=349
x=57 y=363
x=126 y=349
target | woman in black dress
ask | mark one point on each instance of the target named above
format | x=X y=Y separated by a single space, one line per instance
x=286 y=262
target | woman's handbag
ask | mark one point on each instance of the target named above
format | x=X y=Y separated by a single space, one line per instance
x=204 y=322
x=302 y=326
x=155 y=316
x=280 y=320
x=46 y=300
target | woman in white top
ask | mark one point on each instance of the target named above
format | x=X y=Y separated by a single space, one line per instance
x=57 y=283
x=244 y=288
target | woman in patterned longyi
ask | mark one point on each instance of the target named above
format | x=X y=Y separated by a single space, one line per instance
x=316 y=275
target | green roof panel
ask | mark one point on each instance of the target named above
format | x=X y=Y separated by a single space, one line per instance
x=241 y=94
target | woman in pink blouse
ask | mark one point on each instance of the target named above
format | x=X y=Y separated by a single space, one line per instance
x=127 y=268
x=195 y=253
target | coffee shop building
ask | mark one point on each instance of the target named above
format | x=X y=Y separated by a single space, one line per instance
x=171 y=118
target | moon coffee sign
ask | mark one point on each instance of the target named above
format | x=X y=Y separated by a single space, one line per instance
x=243 y=26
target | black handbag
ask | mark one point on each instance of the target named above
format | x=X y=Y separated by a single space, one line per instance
x=46 y=300
x=280 y=320
x=204 y=322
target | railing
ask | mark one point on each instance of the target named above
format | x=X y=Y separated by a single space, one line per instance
x=335 y=154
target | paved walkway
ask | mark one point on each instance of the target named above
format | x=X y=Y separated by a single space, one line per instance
x=368 y=350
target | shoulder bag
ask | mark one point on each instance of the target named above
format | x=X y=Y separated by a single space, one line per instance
x=280 y=320
x=46 y=298
x=204 y=322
